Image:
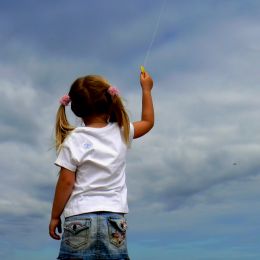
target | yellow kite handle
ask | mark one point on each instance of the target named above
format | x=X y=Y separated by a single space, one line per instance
x=142 y=69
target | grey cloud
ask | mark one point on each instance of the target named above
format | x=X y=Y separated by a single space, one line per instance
x=195 y=147
x=17 y=112
x=64 y=29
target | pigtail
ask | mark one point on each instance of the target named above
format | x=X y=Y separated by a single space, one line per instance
x=62 y=128
x=118 y=114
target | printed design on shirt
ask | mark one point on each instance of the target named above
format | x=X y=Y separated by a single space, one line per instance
x=87 y=145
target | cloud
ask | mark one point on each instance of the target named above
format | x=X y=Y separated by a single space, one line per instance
x=199 y=142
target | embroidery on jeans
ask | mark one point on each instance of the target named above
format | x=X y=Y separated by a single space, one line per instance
x=118 y=237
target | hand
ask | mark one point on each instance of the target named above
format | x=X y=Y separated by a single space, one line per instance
x=146 y=81
x=55 y=223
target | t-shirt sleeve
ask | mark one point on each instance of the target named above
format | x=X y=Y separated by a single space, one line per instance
x=66 y=158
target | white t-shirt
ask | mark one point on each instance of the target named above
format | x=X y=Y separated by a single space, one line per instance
x=97 y=156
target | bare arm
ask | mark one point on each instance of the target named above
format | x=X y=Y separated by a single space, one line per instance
x=147 y=118
x=63 y=191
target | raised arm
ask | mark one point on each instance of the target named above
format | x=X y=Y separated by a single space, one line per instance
x=147 y=118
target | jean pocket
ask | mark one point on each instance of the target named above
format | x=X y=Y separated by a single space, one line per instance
x=76 y=232
x=117 y=230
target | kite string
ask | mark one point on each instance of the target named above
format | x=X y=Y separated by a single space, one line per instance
x=154 y=33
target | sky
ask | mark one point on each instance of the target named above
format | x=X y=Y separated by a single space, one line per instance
x=193 y=181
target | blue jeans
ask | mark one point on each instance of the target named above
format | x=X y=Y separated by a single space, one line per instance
x=92 y=236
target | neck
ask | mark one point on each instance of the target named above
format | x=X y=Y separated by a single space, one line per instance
x=96 y=121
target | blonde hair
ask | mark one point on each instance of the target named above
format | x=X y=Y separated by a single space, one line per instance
x=89 y=97
x=62 y=127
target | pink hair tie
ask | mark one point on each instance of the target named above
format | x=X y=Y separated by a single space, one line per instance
x=113 y=91
x=65 y=100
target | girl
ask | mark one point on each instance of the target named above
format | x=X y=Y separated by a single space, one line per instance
x=91 y=190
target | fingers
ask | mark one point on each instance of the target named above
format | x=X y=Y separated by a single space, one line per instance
x=146 y=80
x=53 y=234
x=144 y=75
x=52 y=230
